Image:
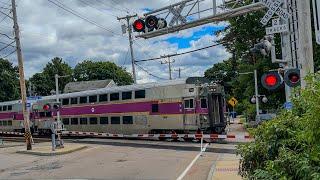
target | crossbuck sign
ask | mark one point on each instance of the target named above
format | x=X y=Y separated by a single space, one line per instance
x=274 y=8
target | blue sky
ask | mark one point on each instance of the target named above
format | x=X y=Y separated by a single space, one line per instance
x=184 y=42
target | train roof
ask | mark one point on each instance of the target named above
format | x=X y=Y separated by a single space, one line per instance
x=190 y=80
x=107 y=90
x=120 y=88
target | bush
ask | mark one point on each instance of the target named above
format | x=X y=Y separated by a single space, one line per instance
x=287 y=147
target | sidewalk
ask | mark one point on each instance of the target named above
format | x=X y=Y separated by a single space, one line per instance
x=226 y=168
x=45 y=149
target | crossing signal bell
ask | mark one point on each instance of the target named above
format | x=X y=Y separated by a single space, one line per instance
x=292 y=77
x=271 y=80
x=263 y=47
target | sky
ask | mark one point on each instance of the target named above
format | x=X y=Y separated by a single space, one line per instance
x=48 y=31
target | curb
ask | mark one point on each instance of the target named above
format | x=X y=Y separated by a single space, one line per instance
x=52 y=153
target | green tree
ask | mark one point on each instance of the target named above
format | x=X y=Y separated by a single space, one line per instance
x=9 y=81
x=242 y=34
x=90 y=70
x=44 y=82
x=287 y=147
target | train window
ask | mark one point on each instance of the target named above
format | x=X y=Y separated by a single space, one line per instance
x=115 y=120
x=93 y=99
x=83 y=121
x=114 y=96
x=74 y=121
x=65 y=121
x=155 y=107
x=140 y=94
x=83 y=100
x=0 y=123
x=65 y=101
x=48 y=114
x=42 y=114
x=204 y=103
x=188 y=104
x=126 y=95
x=103 y=97
x=9 y=107
x=93 y=120
x=0 y=108
x=103 y=120
x=74 y=100
x=5 y=123
x=10 y=123
x=4 y=108
x=127 y=119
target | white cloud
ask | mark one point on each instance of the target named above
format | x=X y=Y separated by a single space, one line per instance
x=48 y=31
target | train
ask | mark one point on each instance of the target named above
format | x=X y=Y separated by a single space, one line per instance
x=180 y=106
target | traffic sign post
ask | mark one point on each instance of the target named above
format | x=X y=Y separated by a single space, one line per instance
x=233 y=102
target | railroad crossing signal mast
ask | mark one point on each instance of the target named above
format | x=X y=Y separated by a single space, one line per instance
x=21 y=79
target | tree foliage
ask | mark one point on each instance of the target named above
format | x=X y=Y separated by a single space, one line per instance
x=90 y=70
x=9 y=81
x=44 y=82
x=287 y=147
x=241 y=35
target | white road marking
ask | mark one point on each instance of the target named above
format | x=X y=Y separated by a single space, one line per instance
x=192 y=162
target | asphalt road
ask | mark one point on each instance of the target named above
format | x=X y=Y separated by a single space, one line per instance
x=114 y=159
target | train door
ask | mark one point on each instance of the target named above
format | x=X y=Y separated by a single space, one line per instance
x=216 y=114
x=189 y=115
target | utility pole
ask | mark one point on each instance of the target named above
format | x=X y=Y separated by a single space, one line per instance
x=169 y=61
x=129 y=29
x=179 y=71
x=21 y=79
x=257 y=94
x=305 y=50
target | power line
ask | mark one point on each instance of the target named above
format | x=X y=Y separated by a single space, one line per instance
x=6 y=36
x=149 y=72
x=179 y=54
x=7 y=45
x=9 y=54
x=75 y=13
x=113 y=7
x=125 y=58
x=101 y=11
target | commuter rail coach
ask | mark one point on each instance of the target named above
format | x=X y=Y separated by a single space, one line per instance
x=180 y=106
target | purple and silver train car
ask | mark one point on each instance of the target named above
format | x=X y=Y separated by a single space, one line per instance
x=183 y=106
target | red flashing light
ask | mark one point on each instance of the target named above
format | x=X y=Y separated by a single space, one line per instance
x=46 y=107
x=294 y=78
x=270 y=80
x=139 y=25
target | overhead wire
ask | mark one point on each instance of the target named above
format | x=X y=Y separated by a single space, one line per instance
x=101 y=11
x=110 y=6
x=9 y=54
x=179 y=54
x=150 y=74
x=7 y=45
x=77 y=14
x=125 y=58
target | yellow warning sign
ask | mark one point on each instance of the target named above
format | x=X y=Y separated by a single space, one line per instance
x=233 y=102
